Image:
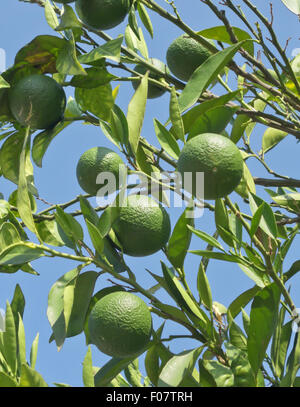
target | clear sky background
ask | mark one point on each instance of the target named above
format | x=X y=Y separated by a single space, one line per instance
x=56 y=183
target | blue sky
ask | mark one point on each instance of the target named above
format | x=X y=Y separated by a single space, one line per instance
x=56 y=183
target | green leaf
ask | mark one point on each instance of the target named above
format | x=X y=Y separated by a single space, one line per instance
x=268 y=221
x=110 y=370
x=174 y=312
x=23 y=199
x=133 y=374
x=258 y=277
x=239 y=127
x=206 y=379
x=222 y=221
x=8 y=235
x=10 y=155
x=263 y=318
x=42 y=53
x=21 y=342
x=119 y=125
x=134 y=43
x=280 y=343
x=240 y=366
x=246 y=184
x=67 y=62
x=242 y=300
x=271 y=138
x=166 y=140
x=204 y=287
x=70 y=226
x=68 y=20
x=88 y=211
x=7 y=381
x=182 y=296
x=152 y=364
x=195 y=112
x=31 y=378
x=218 y=256
x=205 y=74
x=87 y=370
x=95 y=236
x=9 y=337
x=98 y=101
x=144 y=16
x=207 y=238
x=293 y=364
x=256 y=219
x=175 y=117
x=220 y=33
x=136 y=112
x=83 y=290
x=51 y=233
x=20 y=253
x=34 y=351
x=178 y=368
x=17 y=305
x=180 y=239
x=56 y=305
x=212 y=121
x=133 y=21
x=236 y=335
x=223 y=375
x=96 y=76
x=50 y=15
x=111 y=50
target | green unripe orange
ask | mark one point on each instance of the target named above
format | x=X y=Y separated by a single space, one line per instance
x=120 y=324
x=218 y=158
x=37 y=101
x=92 y=163
x=142 y=227
x=102 y=14
x=185 y=55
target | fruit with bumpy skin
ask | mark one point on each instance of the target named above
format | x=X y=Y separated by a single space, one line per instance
x=185 y=55
x=95 y=161
x=142 y=226
x=218 y=158
x=37 y=101
x=154 y=91
x=120 y=324
x=102 y=14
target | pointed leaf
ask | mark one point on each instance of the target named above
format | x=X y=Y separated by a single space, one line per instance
x=204 y=288
x=136 y=112
x=205 y=74
x=178 y=368
x=166 y=140
x=263 y=317
x=10 y=340
x=31 y=378
x=180 y=239
x=87 y=371
x=175 y=117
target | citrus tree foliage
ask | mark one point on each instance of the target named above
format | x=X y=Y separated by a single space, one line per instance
x=265 y=349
